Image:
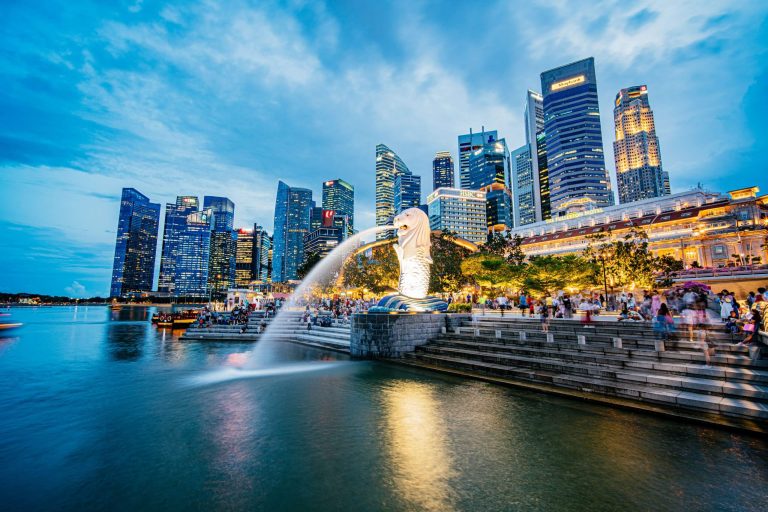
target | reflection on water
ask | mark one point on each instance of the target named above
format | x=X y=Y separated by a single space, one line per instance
x=421 y=462
x=125 y=340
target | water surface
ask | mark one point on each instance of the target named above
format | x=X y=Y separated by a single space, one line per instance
x=100 y=411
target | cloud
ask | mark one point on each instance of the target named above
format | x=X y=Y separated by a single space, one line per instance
x=76 y=290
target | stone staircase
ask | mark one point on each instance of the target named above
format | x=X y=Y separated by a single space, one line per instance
x=225 y=332
x=593 y=362
x=290 y=328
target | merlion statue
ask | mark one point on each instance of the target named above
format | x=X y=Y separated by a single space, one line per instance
x=413 y=253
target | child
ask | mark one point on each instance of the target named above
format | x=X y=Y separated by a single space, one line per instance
x=544 y=312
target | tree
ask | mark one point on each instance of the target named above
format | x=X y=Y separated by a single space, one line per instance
x=446 y=273
x=310 y=261
x=668 y=267
x=547 y=274
x=492 y=271
x=505 y=245
x=379 y=273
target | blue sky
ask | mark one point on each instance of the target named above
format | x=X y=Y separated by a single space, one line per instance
x=226 y=98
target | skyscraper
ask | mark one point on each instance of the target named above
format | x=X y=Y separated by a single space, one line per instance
x=578 y=180
x=461 y=212
x=537 y=149
x=133 y=268
x=407 y=192
x=292 y=213
x=339 y=196
x=442 y=170
x=467 y=144
x=262 y=250
x=489 y=172
x=636 y=150
x=388 y=166
x=315 y=216
x=523 y=190
x=221 y=271
x=194 y=249
x=175 y=223
x=245 y=272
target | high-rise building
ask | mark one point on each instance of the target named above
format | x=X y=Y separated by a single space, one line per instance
x=388 y=166
x=467 y=145
x=323 y=240
x=407 y=192
x=489 y=171
x=175 y=223
x=192 y=262
x=339 y=196
x=460 y=212
x=245 y=271
x=221 y=271
x=315 y=216
x=523 y=189
x=442 y=170
x=578 y=180
x=292 y=214
x=537 y=149
x=133 y=268
x=262 y=254
x=636 y=150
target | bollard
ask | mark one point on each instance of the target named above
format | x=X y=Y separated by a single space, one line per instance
x=658 y=346
x=581 y=339
x=457 y=330
x=550 y=338
x=477 y=332
x=498 y=334
x=443 y=330
x=523 y=336
x=617 y=343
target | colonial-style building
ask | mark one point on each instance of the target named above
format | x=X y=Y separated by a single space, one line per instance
x=698 y=227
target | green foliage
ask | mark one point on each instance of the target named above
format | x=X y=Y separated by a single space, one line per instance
x=492 y=271
x=506 y=246
x=446 y=273
x=459 y=307
x=378 y=273
x=547 y=274
x=310 y=261
x=668 y=266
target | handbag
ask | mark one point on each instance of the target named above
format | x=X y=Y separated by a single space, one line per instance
x=749 y=327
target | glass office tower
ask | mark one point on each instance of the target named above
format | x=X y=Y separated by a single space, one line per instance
x=292 y=214
x=133 y=268
x=262 y=249
x=244 y=256
x=461 y=212
x=523 y=189
x=221 y=272
x=175 y=223
x=467 y=145
x=489 y=172
x=442 y=170
x=578 y=180
x=407 y=192
x=636 y=150
x=339 y=196
x=388 y=166
x=537 y=149
x=192 y=263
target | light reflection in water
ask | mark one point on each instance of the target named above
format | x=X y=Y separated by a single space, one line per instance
x=417 y=435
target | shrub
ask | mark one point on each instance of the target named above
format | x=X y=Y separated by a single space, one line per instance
x=460 y=307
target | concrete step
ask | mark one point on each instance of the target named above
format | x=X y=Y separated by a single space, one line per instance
x=738 y=407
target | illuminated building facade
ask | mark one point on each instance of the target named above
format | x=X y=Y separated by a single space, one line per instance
x=292 y=221
x=639 y=174
x=442 y=170
x=133 y=268
x=698 y=227
x=245 y=270
x=468 y=144
x=578 y=180
x=315 y=216
x=192 y=263
x=175 y=224
x=523 y=190
x=339 y=196
x=535 y=138
x=489 y=172
x=460 y=212
x=221 y=271
x=388 y=167
x=262 y=254
x=407 y=192
x=323 y=240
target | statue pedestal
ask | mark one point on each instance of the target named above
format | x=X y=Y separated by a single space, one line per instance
x=391 y=335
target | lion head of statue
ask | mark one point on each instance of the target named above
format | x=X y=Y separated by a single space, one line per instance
x=412 y=232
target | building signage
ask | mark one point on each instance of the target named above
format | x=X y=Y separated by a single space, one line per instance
x=570 y=82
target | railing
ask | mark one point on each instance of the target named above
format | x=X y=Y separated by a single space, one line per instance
x=743 y=270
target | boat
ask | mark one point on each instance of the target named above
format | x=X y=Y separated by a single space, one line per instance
x=8 y=326
x=179 y=320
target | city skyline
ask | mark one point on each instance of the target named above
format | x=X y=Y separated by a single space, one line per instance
x=110 y=120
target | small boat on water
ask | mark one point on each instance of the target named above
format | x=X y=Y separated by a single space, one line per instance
x=8 y=326
x=178 y=320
